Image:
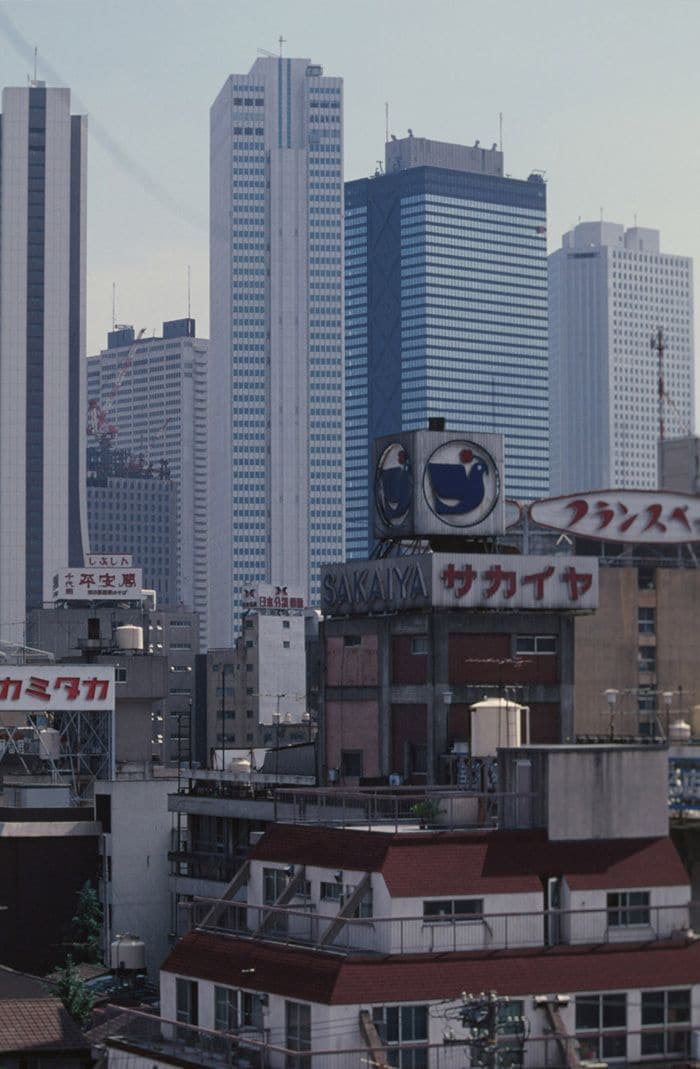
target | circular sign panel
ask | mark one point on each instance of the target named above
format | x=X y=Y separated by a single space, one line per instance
x=461 y=483
x=393 y=487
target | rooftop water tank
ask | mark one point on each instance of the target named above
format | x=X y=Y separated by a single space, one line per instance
x=679 y=731
x=496 y=722
x=129 y=637
x=49 y=744
x=127 y=953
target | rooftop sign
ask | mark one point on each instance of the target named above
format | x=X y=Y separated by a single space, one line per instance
x=637 y=516
x=438 y=483
x=98 y=584
x=499 y=582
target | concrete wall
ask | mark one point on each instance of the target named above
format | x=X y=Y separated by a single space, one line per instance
x=607 y=793
x=138 y=893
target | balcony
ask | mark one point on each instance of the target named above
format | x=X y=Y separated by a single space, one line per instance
x=159 y=1041
x=432 y=935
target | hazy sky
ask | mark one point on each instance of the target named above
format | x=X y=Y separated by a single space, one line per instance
x=602 y=95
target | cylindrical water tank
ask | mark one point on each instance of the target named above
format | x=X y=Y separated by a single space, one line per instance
x=129 y=637
x=495 y=722
x=679 y=731
x=127 y=953
x=49 y=744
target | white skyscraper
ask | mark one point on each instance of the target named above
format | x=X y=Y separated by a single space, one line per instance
x=609 y=290
x=152 y=395
x=42 y=343
x=276 y=363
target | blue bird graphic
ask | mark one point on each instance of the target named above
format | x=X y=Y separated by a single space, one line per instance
x=458 y=492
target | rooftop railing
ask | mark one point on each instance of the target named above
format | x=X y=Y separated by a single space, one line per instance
x=304 y=926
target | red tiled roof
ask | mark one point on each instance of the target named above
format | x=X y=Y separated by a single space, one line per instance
x=360 y=980
x=439 y=863
x=38 y=1024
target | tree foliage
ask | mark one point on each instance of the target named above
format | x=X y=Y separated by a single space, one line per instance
x=74 y=994
x=86 y=925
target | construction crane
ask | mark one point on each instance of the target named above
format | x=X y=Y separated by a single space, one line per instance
x=98 y=425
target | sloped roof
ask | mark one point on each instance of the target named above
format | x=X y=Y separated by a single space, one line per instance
x=38 y=1024
x=440 y=863
x=363 y=980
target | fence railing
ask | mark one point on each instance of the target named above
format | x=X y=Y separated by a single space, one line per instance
x=134 y=1032
x=430 y=934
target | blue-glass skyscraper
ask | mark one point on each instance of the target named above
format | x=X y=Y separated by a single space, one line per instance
x=446 y=311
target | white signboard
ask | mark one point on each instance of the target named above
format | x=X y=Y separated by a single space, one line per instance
x=98 y=584
x=269 y=596
x=500 y=582
x=109 y=560
x=37 y=688
x=640 y=516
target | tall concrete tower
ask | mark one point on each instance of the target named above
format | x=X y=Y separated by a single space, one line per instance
x=276 y=351
x=42 y=342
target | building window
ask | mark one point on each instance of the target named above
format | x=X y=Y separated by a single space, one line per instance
x=646 y=617
x=331 y=892
x=628 y=908
x=285 y=623
x=663 y=1015
x=186 y=996
x=453 y=909
x=601 y=1023
x=298 y=1032
x=120 y=675
x=538 y=644
x=419 y=645
x=647 y=658
x=225 y=1009
x=403 y=1025
x=274 y=883
x=351 y=763
x=285 y=645
x=646 y=579
x=352 y=640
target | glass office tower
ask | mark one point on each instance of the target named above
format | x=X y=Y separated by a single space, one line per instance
x=446 y=311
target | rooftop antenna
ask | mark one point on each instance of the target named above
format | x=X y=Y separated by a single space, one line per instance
x=500 y=131
x=35 y=57
x=386 y=120
x=635 y=219
x=188 y=292
x=114 y=305
x=658 y=345
x=282 y=41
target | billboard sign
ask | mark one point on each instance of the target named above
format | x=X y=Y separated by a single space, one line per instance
x=498 y=582
x=38 y=688
x=438 y=482
x=98 y=584
x=268 y=596
x=636 y=516
x=109 y=560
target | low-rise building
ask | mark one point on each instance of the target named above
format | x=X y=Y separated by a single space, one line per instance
x=336 y=945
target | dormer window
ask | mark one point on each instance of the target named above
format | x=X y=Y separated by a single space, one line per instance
x=441 y=910
x=628 y=908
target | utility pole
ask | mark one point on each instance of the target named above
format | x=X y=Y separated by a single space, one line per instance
x=658 y=345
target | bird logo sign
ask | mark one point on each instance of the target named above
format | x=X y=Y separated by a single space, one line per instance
x=394 y=484
x=461 y=483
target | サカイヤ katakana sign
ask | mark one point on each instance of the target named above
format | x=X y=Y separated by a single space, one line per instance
x=499 y=582
x=638 y=516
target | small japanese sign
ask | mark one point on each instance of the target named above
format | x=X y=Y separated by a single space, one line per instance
x=98 y=584
x=268 y=596
x=35 y=688
x=109 y=560
x=638 y=516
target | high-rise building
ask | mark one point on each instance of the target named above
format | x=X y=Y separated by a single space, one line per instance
x=609 y=290
x=149 y=396
x=42 y=342
x=276 y=367
x=445 y=311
